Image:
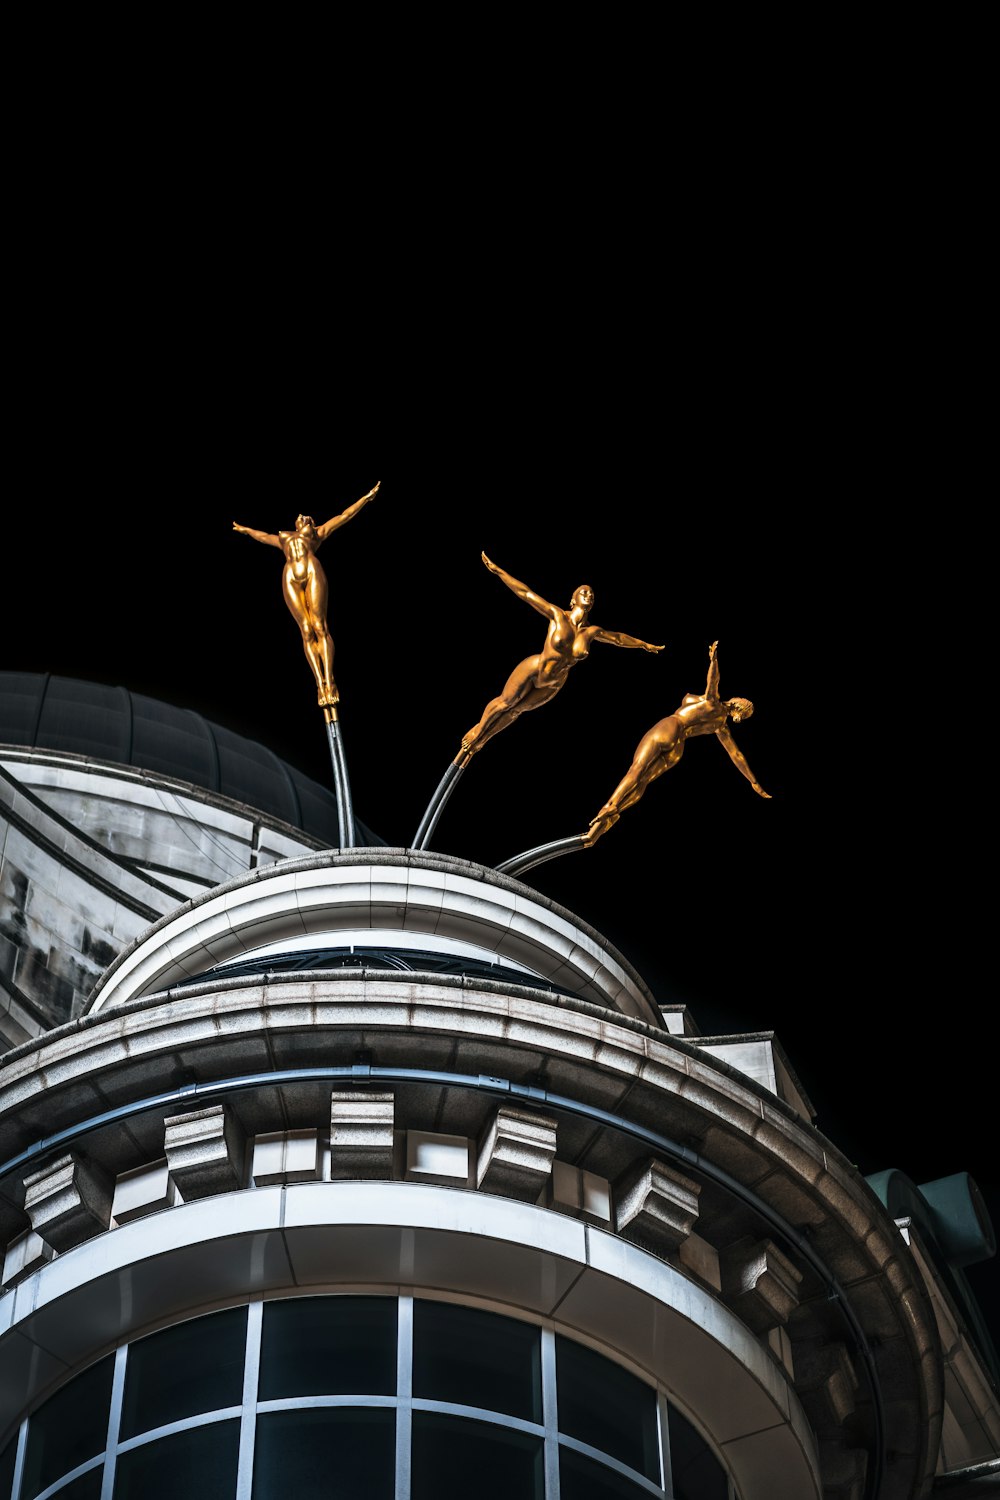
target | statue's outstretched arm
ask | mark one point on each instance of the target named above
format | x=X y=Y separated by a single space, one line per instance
x=619 y=638
x=522 y=590
x=345 y=515
x=738 y=759
x=267 y=537
x=712 y=680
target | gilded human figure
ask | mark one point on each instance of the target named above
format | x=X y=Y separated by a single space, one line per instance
x=305 y=589
x=537 y=679
x=662 y=746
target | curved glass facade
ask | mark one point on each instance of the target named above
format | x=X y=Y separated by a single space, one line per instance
x=358 y=1398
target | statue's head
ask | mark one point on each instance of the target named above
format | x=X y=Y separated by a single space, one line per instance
x=303 y=523
x=583 y=597
x=739 y=709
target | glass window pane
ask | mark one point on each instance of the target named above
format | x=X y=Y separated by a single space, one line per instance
x=68 y=1428
x=696 y=1472
x=476 y=1358
x=199 y=1464
x=583 y=1478
x=182 y=1371
x=328 y=1346
x=7 y=1458
x=454 y=1458
x=87 y=1487
x=325 y=1453
x=604 y=1406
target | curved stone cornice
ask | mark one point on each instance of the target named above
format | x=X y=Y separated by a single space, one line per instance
x=392 y=889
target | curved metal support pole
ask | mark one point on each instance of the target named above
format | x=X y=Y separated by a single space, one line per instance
x=435 y=806
x=345 y=809
x=541 y=853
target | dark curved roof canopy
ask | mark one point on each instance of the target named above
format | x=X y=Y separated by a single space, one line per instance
x=42 y=712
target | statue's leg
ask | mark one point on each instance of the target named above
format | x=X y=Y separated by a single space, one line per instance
x=496 y=716
x=519 y=696
x=295 y=598
x=657 y=752
x=323 y=668
x=315 y=600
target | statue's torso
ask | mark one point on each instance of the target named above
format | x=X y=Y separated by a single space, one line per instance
x=298 y=548
x=701 y=715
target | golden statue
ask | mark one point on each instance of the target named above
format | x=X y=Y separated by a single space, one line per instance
x=304 y=585
x=538 y=678
x=662 y=746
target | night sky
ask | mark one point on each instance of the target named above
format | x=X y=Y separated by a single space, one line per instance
x=837 y=914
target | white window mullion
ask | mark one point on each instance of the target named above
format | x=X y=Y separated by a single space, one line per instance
x=114 y=1423
x=22 y=1445
x=248 y=1418
x=550 y=1414
x=663 y=1437
x=404 y=1397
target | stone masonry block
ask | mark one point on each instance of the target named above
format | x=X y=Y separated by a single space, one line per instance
x=826 y=1381
x=759 y=1283
x=516 y=1154
x=25 y=1254
x=286 y=1156
x=68 y=1201
x=205 y=1151
x=361 y=1135
x=700 y=1260
x=844 y=1471
x=144 y=1190
x=583 y=1195
x=656 y=1207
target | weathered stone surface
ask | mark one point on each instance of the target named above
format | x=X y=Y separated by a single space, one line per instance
x=844 y=1471
x=827 y=1381
x=361 y=1135
x=759 y=1283
x=516 y=1154
x=205 y=1151
x=68 y=1201
x=655 y=1206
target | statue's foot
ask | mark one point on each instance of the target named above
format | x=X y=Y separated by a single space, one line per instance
x=328 y=697
x=600 y=825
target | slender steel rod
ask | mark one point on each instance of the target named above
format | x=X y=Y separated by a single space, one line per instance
x=435 y=806
x=541 y=853
x=349 y=830
x=342 y=785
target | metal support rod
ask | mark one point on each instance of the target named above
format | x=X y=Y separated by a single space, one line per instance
x=350 y=833
x=541 y=853
x=342 y=786
x=435 y=806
